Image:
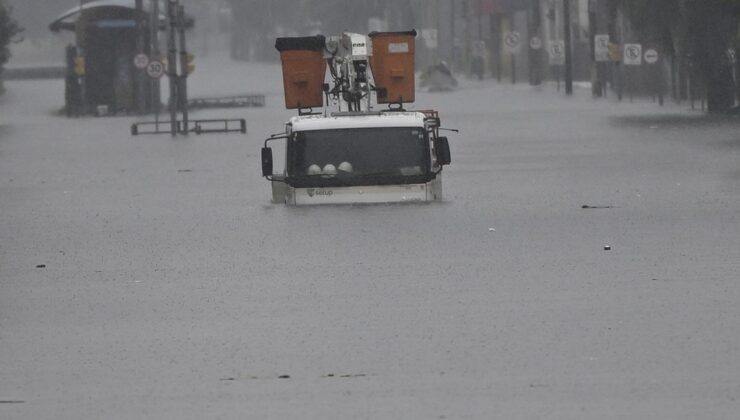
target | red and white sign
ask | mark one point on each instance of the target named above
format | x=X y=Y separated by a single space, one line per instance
x=141 y=61
x=651 y=56
x=155 y=69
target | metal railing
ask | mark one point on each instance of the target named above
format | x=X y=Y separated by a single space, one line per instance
x=204 y=126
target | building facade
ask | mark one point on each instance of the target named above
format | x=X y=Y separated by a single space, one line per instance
x=459 y=32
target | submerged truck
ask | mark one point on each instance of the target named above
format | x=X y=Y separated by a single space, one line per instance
x=357 y=153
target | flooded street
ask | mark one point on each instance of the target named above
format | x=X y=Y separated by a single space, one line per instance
x=584 y=264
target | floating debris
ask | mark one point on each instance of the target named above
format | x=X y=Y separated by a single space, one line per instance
x=588 y=207
x=41 y=266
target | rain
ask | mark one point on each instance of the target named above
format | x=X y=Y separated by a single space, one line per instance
x=580 y=262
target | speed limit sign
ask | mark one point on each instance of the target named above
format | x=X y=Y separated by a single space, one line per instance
x=155 y=69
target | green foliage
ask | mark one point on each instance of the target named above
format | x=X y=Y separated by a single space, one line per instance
x=8 y=30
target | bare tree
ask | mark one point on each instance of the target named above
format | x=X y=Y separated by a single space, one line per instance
x=9 y=29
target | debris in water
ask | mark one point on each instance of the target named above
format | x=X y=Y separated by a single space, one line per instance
x=607 y=247
x=284 y=377
x=586 y=206
x=41 y=266
x=491 y=229
x=11 y=402
x=228 y=379
x=184 y=170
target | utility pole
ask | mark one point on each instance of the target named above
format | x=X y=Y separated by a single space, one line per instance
x=568 y=49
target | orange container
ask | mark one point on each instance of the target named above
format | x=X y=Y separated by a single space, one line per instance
x=392 y=64
x=304 y=70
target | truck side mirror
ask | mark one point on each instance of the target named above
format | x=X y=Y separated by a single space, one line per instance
x=266 y=161
x=442 y=150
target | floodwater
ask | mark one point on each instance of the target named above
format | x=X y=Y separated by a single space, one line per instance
x=150 y=277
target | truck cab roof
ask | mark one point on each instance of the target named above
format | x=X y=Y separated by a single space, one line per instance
x=357 y=120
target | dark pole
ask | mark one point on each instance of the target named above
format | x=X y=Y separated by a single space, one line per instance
x=154 y=55
x=141 y=79
x=592 y=26
x=497 y=44
x=183 y=79
x=568 y=49
x=535 y=55
x=172 y=62
x=82 y=54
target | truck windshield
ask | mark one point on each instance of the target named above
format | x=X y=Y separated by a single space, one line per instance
x=359 y=156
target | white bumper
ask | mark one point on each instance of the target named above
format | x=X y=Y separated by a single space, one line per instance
x=413 y=193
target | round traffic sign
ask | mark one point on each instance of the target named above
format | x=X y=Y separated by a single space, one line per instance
x=141 y=61
x=512 y=39
x=557 y=49
x=535 y=43
x=155 y=69
x=651 y=56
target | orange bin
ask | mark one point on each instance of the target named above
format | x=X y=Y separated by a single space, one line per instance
x=304 y=70
x=392 y=64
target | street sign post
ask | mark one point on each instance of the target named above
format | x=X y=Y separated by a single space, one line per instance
x=535 y=43
x=431 y=38
x=141 y=61
x=512 y=42
x=651 y=56
x=155 y=69
x=601 y=48
x=632 y=57
x=556 y=51
x=632 y=54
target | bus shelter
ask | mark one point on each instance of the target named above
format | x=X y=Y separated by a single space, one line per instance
x=101 y=73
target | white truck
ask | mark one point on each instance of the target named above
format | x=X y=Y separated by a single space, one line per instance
x=355 y=155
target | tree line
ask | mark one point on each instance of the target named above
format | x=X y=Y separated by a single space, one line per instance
x=9 y=29
x=701 y=35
